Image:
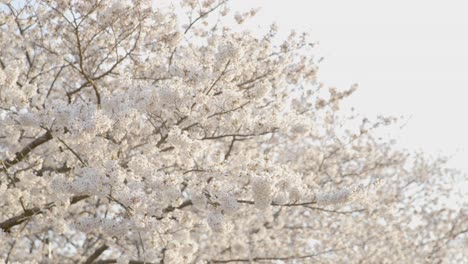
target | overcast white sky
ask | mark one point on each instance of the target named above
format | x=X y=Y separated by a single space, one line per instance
x=408 y=57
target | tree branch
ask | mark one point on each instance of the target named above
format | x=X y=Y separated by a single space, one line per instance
x=240 y=135
x=277 y=204
x=96 y=254
x=110 y=261
x=228 y=153
x=74 y=152
x=28 y=213
x=203 y=15
x=219 y=78
x=4 y=165
x=277 y=258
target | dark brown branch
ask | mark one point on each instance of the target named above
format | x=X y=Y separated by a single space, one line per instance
x=120 y=60
x=110 y=261
x=219 y=77
x=2 y=64
x=69 y=94
x=240 y=85
x=306 y=205
x=62 y=169
x=277 y=258
x=52 y=84
x=182 y=205
x=96 y=254
x=228 y=153
x=335 y=211
x=171 y=208
x=28 y=213
x=203 y=15
x=240 y=135
x=228 y=111
x=81 y=66
x=25 y=151
x=128 y=209
x=74 y=152
x=21 y=31
x=95 y=88
x=277 y=204
x=10 y=251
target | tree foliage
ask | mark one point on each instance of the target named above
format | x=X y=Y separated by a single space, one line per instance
x=132 y=133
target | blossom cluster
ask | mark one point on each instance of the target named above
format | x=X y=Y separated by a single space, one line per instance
x=137 y=133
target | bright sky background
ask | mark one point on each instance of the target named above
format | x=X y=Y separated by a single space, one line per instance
x=408 y=57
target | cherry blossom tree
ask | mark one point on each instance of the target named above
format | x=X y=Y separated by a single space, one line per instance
x=134 y=133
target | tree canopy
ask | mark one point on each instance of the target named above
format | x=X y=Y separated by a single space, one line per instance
x=134 y=133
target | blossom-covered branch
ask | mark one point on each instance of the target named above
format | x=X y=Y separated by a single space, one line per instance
x=133 y=132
